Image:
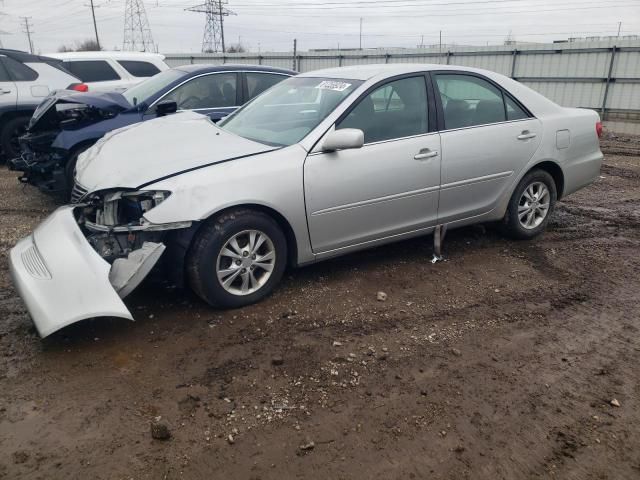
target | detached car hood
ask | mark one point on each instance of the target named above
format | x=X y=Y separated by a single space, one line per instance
x=46 y=117
x=139 y=154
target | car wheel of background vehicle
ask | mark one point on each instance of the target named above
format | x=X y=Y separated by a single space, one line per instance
x=70 y=170
x=12 y=130
x=530 y=206
x=237 y=259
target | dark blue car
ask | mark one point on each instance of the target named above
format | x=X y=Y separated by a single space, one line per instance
x=68 y=123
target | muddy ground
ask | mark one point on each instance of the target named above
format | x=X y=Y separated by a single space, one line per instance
x=501 y=362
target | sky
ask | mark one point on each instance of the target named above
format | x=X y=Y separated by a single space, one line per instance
x=271 y=25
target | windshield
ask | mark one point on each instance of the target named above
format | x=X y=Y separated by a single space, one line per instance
x=287 y=112
x=146 y=89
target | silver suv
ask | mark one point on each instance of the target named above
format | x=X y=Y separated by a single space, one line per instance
x=25 y=80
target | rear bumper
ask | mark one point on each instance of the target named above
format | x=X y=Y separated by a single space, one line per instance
x=60 y=278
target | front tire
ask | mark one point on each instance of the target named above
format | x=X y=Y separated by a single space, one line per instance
x=237 y=259
x=530 y=206
x=11 y=131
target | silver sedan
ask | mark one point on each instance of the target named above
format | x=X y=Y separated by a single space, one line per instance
x=322 y=164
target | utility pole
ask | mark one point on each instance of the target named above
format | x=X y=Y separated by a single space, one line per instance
x=221 y=13
x=360 y=33
x=28 y=31
x=295 y=53
x=95 y=25
x=440 y=49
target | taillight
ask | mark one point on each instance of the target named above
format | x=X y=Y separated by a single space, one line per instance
x=79 y=87
x=599 y=129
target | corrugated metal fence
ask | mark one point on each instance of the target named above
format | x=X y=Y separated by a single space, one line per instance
x=602 y=75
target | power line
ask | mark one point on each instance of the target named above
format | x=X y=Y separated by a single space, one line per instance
x=28 y=31
x=213 y=38
x=137 y=32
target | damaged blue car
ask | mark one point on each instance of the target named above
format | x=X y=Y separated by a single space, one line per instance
x=67 y=123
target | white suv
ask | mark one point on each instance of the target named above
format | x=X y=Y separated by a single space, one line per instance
x=110 y=71
x=25 y=80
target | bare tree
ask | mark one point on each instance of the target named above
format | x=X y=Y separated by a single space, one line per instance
x=236 y=48
x=81 y=46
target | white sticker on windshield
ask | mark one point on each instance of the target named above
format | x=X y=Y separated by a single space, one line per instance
x=336 y=86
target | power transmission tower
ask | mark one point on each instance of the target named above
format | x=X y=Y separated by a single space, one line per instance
x=28 y=31
x=137 y=32
x=213 y=39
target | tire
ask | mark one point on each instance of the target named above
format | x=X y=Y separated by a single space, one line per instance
x=206 y=259
x=11 y=130
x=533 y=215
x=70 y=170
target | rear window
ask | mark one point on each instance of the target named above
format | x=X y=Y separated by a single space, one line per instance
x=18 y=71
x=139 y=69
x=92 y=70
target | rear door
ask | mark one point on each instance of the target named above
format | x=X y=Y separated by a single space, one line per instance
x=8 y=91
x=389 y=186
x=487 y=139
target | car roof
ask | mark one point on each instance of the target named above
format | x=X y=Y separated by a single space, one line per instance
x=208 y=68
x=117 y=55
x=25 y=57
x=367 y=72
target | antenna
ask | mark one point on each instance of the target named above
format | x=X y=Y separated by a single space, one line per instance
x=137 y=32
x=213 y=39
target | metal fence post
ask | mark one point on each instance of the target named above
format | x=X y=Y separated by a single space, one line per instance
x=448 y=56
x=606 y=86
x=387 y=56
x=513 y=62
x=340 y=57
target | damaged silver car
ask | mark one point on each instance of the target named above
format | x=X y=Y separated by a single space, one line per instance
x=320 y=165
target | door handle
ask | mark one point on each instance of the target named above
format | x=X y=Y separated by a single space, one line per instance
x=425 y=153
x=526 y=135
x=3 y=91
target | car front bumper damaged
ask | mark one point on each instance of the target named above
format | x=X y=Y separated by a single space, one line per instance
x=62 y=279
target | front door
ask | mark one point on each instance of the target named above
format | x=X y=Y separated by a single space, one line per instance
x=390 y=185
x=487 y=139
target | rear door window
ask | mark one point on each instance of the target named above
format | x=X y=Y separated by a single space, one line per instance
x=259 y=82
x=4 y=75
x=18 y=71
x=138 y=68
x=468 y=101
x=92 y=70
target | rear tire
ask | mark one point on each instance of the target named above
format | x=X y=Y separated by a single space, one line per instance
x=11 y=130
x=530 y=207
x=222 y=265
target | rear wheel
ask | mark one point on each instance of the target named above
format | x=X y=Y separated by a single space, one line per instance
x=11 y=131
x=237 y=259
x=530 y=206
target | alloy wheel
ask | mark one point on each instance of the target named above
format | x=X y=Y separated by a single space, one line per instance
x=245 y=262
x=533 y=206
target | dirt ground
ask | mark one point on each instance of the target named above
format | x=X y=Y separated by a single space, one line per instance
x=499 y=363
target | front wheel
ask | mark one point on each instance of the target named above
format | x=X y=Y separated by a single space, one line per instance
x=530 y=206
x=9 y=135
x=237 y=259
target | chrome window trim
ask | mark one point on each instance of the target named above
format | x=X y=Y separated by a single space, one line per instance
x=212 y=73
x=486 y=124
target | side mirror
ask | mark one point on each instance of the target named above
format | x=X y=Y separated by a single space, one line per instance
x=343 y=139
x=166 y=107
